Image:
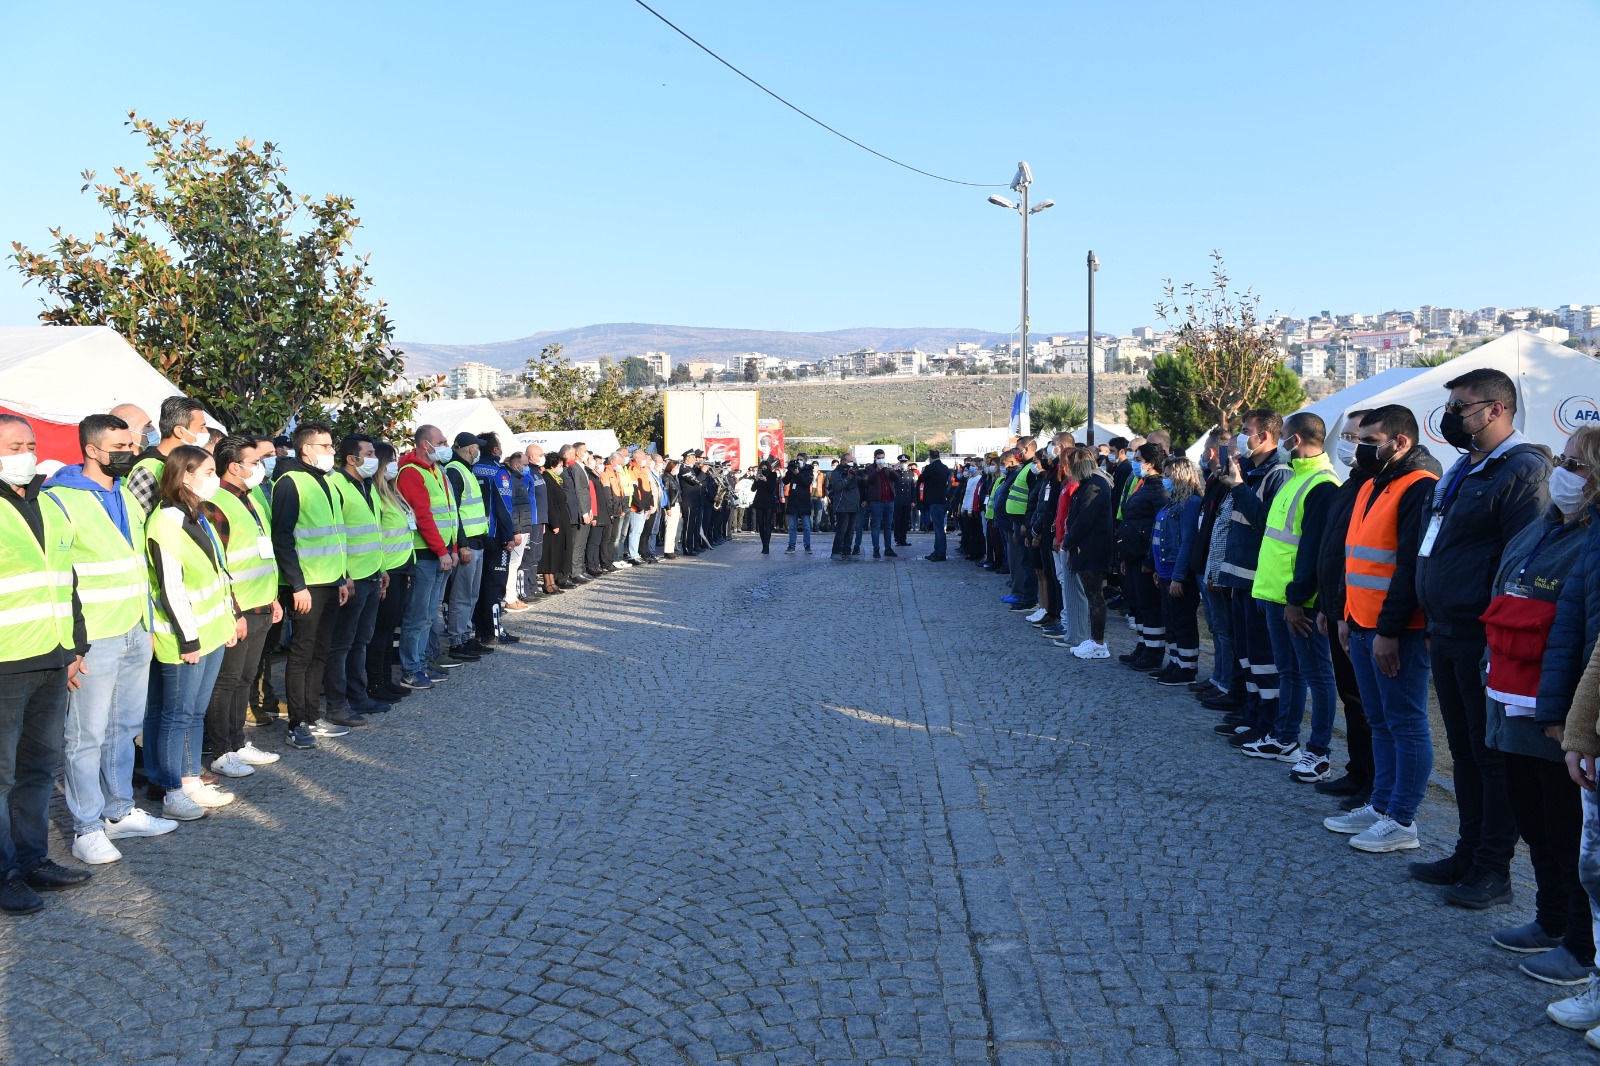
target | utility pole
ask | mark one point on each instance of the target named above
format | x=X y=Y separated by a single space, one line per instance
x=1020 y=185
x=1094 y=265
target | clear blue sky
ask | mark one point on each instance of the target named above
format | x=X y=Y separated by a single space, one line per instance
x=521 y=167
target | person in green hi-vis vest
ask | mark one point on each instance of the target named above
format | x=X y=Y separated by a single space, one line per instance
x=345 y=680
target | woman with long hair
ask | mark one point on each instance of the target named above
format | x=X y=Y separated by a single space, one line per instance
x=1172 y=554
x=556 y=535
x=396 y=523
x=194 y=619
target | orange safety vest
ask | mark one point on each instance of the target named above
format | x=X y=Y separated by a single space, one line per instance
x=1372 y=551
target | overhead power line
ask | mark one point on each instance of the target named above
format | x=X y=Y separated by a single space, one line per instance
x=886 y=158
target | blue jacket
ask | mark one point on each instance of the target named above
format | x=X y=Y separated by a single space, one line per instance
x=1172 y=546
x=535 y=489
x=495 y=480
x=1252 y=501
x=72 y=477
x=1573 y=633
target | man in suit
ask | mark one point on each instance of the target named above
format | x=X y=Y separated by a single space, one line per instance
x=580 y=505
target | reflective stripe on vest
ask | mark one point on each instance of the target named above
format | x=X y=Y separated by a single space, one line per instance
x=363 y=552
x=441 y=505
x=1017 y=496
x=255 y=577
x=474 y=518
x=112 y=584
x=1372 y=550
x=1280 y=540
x=318 y=538
x=394 y=533
x=35 y=584
x=206 y=588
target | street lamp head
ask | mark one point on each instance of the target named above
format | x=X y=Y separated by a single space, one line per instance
x=1001 y=201
x=1023 y=179
x=1034 y=210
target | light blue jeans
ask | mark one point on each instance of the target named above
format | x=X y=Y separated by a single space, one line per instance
x=1305 y=666
x=797 y=523
x=636 y=522
x=422 y=607
x=1218 y=606
x=1397 y=707
x=103 y=715
x=172 y=749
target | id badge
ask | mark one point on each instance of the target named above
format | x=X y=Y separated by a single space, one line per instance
x=1430 y=536
x=264 y=547
x=411 y=522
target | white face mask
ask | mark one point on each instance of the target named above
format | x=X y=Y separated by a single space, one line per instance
x=1566 y=490
x=1345 y=451
x=207 y=487
x=881 y=462
x=255 y=477
x=323 y=463
x=202 y=438
x=1241 y=444
x=442 y=453
x=369 y=466
x=391 y=471
x=19 y=468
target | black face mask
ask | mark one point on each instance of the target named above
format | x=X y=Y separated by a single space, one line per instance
x=1368 y=460
x=1454 y=432
x=120 y=464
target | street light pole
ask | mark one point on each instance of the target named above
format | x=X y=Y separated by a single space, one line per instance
x=1094 y=265
x=1020 y=185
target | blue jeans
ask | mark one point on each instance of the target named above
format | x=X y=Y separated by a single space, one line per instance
x=1304 y=666
x=635 y=531
x=33 y=711
x=103 y=716
x=936 y=516
x=797 y=524
x=416 y=627
x=883 y=524
x=1397 y=707
x=1218 y=605
x=172 y=749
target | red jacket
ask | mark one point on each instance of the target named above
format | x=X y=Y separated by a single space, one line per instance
x=1068 y=487
x=414 y=491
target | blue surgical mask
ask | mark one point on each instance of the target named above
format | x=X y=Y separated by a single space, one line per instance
x=1166 y=483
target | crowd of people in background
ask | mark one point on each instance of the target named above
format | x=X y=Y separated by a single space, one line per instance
x=1360 y=579
x=147 y=592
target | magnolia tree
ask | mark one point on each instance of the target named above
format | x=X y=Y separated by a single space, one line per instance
x=248 y=297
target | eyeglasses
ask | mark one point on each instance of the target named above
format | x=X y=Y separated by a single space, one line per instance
x=1350 y=438
x=1455 y=407
x=1570 y=465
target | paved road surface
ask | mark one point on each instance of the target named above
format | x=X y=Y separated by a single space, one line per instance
x=695 y=823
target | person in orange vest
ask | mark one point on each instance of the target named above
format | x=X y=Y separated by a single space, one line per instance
x=1383 y=628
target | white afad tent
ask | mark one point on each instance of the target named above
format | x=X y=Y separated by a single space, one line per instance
x=1558 y=391
x=476 y=416
x=55 y=376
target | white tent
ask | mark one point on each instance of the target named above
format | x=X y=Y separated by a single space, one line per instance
x=1103 y=432
x=462 y=416
x=599 y=441
x=1558 y=390
x=55 y=376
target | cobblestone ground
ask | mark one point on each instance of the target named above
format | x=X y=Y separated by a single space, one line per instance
x=686 y=821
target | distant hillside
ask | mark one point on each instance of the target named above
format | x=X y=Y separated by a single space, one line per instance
x=623 y=339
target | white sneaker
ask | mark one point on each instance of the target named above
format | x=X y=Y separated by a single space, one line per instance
x=1038 y=615
x=1357 y=821
x=622 y=564
x=94 y=849
x=1090 y=650
x=1582 y=1011
x=230 y=765
x=1386 y=835
x=179 y=805
x=251 y=755
x=138 y=823
x=208 y=795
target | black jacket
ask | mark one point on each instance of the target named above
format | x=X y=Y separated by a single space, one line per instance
x=935 y=483
x=1489 y=507
x=1139 y=519
x=1088 y=536
x=559 y=512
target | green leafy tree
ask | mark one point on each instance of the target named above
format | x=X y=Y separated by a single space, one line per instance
x=1052 y=414
x=636 y=373
x=1168 y=400
x=248 y=297
x=1435 y=358
x=752 y=372
x=1285 y=393
x=679 y=376
x=575 y=400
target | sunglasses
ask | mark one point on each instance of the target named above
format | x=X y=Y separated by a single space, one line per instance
x=1570 y=465
x=1457 y=406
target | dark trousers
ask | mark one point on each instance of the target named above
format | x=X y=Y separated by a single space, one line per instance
x=344 y=678
x=1488 y=833
x=382 y=654
x=1143 y=600
x=1257 y=668
x=844 y=532
x=1050 y=595
x=308 y=653
x=597 y=547
x=262 y=695
x=972 y=537
x=764 y=526
x=994 y=543
x=1094 y=590
x=1548 y=809
x=689 y=524
x=1357 y=730
x=1180 y=618
x=486 y=615
x=231 y=694
x=33 y=722
x=902 y=523
x=577 y=545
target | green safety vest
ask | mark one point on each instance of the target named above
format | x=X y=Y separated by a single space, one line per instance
x=1129 y=487
x=206 y=587
x=1280 y=540
x=474 y=518
x=112 y=582
x=363 y=549
x=441 y=505
x=318 y=540
x=248 y=550
x=394 y=533
x=35 y=585
x=1017 y=498
x=263 y=502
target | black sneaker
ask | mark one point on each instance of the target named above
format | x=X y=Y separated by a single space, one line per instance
x=1202 y=687
x=1222 y=703
x=1161 y=671
x=345 y=717
x=1446 y=871
x=478 y=647
x=875 y=553
x=1360 y=799
x=1343 y=786
x=1176 y=679
x=51 y=876
x=790 y=551
x=462 y=654
x=1249 y=736
x=17 y=898
x=1480 y=890
x=1231 y=725
x=889 y=553
x=508 y=637
x=300 y=737
x=808 y=551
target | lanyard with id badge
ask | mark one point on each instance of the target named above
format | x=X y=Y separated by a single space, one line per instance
x=1437 y=520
